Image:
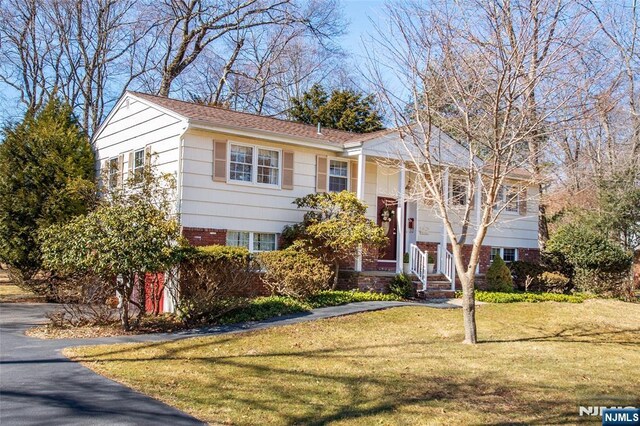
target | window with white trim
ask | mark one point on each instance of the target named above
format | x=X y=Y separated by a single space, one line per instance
x=238 y=239
x=338 y=175
x=508 y=196
x=246 y=166
x=113 y=172
x=241 y=163
x=138 y=165
x=268 y=166
x=253 y=241
x=507 y=254
x=458 y=191
x=263 y=242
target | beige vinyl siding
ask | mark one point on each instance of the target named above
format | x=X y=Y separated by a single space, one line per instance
x=232 y=205
x=138 y=126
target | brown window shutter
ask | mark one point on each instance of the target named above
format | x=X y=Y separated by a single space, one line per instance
x=120 y=169
x=130 y=166
x=147 y=155
x=522 y=201
x=354 y=176
x=321 y=173
x=287 y=169
x=219 y=160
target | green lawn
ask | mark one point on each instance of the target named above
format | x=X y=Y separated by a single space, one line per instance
x=537 y=363
x=13 y=293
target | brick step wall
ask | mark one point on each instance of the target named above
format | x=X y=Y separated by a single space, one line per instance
x=436 y=294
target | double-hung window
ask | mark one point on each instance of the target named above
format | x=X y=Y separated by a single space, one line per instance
x=338 y=175
x=268 y=166
x=507 y=254
x=458 y=192
x=241 y=163
x=253 y=241
x=252 y=164
x=113 y=172
x=509 y=196
x=138 y=165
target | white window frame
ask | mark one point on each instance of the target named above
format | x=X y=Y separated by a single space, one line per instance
x=503 y=200
x=463 y=200
x=348 y=177
x=254 y=166
x=251 y=239
x=134 y=169
x=501 y=253
x=110 y=174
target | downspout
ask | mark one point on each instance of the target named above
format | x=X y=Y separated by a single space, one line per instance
x=169 y=294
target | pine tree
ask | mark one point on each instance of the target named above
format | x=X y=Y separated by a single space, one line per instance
x=46 y=177
x=344 y=110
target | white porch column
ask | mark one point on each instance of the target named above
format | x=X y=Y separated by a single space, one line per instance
x=478 y=206
x=400 y=221
x=362 y=162
x=443 y=240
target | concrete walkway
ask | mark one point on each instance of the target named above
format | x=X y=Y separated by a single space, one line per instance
x=38 y=385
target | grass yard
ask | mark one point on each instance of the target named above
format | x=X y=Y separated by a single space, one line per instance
x=537 y=364
x=13 y=293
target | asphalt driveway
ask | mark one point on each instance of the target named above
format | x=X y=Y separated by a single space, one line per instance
x=40 y=386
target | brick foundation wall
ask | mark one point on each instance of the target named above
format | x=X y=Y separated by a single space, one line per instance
x=525 y=254
x=350 y=280
x=205 y=236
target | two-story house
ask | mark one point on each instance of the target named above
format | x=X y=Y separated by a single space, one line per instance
x=238 y=174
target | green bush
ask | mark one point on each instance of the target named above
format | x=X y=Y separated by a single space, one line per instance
x=499 y=276
x=501 y=297
x=401 y=286
x=521 y=270
x=293 y=273
x=215 y=280
x=335 y=298
x=585 y=247
x=553 y=282
x=262 y=308
x=608 y=284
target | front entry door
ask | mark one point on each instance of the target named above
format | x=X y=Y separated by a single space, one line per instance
x=387 y=209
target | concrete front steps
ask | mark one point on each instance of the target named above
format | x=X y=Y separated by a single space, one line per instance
x=438 y=287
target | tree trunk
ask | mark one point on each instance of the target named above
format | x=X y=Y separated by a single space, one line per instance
x=336 y=270
x=469 y=310
x=124 y=314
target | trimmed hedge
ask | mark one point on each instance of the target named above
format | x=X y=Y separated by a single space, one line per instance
x=501 y=297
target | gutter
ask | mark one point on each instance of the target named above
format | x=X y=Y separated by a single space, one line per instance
x=263 y=134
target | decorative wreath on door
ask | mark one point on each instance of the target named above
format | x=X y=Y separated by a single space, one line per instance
x=387 y=214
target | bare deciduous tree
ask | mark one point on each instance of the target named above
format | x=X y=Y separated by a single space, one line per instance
x=467 y=70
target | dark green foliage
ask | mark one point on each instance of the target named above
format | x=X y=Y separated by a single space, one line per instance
x=129 y=234
x=603 y=283
x=499 y=276
x=262 y=308
x=502 y=297
x=46 y=177
x=334 y=227
x=401 y=286
x=520 y=270
x=584 y=246
x=619 y=202
x=343 y=110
